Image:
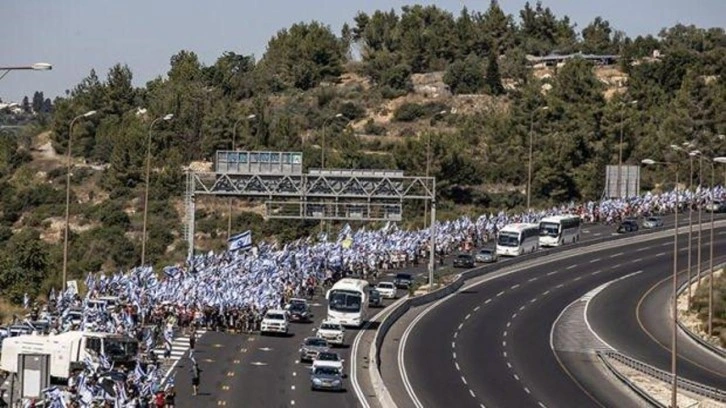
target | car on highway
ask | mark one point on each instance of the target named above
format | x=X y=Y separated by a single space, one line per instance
x=387 y=290
x=332 y=331
x=374 y=298
x=329 y=359
x=464 y=261
x=326 y=378
x=403 y=280
x=274 y=321
x=299 y=312
x=652 y=222
x=486 y=255
x=627 y=225
x=716 y=207
x=311 y=346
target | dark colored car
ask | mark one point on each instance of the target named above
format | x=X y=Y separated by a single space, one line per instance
x=628 y=225
x=375 y=299
x=299 y=312
x=403 y=280
x=464 y=261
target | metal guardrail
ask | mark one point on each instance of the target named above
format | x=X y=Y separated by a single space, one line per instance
x=698 y=339
x=687 y=385
x=643 y=394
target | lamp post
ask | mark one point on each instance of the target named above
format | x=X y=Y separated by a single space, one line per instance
x=428 y=165
x=620 y=145
x=529 y=162
x=38 y=66
x=691 y=155
x=69 y=163
x=166 y=117
x=247 y=120
x=674 y=341
x=700 y=220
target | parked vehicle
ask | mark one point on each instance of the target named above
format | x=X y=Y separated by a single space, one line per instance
x=464 y=261
x=487 y=255
x=403 y=280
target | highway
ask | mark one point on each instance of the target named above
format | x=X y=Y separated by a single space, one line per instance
x=488 y=345
x=265 y=371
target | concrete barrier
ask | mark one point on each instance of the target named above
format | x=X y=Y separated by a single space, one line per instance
x=719 y=351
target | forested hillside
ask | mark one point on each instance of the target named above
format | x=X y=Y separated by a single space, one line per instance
x=399 y=79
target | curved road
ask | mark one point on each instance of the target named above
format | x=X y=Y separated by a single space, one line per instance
x=488 y=345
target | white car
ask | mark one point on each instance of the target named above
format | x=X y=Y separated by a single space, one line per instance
x=328 y=359
x=275 y=321
x=387 y=290
x=332 y=331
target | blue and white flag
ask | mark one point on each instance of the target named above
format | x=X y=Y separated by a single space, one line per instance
x=241 y=241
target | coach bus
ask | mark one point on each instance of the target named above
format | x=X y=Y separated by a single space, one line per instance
x=518 y=239
x=559 y=230
x=348 y=301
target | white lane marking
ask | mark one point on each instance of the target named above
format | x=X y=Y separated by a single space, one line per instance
x=487 y=301
x=643 y=249
x=533 y=300
x=509 y=324
x=515 y=286
x=551 y=273
x=595 y=273
x=504 y=343
x=292 y=402
x=514 y=316
x=292 y=387
x=463 y=380
x=467 y=316
x=636 y=260
x=666 y=244
x=294 y=374
x=509 y=365
x=541 y=404
x=521 y=307
x=546 y=292
x=454 y=355
x=472 y=393
x=571 y=267
x=516 y=377
x=660 y=254
x=597 y=234
x=595 y=260
x=457 y=367
x=617 y=255
x=526 y=390
x=577 y=278
x=560 y=285
x=504 y=334
x=532 y=279
x=453 y=345
x=504 y=354
x=616 y=266
x=476 y=309
x=461 y=325
x=500 y=293
x=456 y=333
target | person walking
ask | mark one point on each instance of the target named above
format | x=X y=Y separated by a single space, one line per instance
x=193 y=338
x=170 y=398
x=196 y=372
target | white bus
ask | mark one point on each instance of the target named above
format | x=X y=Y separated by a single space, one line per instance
x=559 y=230
x=518 y=239
x=348 y=302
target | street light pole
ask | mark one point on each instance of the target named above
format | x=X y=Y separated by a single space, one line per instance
x=529 y=162
x=428 y=166
x=38 y=66
x=234 y=147
x=69 y=163
x=700 y=225
x=674 y=300
x=166 y=117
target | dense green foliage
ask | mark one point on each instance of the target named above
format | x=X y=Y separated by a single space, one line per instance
x=303 y=80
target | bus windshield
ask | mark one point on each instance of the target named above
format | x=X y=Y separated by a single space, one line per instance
x=344 y=301
x=550 y=229
x=508 y=239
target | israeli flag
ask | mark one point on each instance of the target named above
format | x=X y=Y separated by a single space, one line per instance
x=241 y=241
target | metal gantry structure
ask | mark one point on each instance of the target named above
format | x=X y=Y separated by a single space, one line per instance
x=320 y=194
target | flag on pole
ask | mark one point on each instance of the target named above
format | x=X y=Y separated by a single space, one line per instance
x=242 y=241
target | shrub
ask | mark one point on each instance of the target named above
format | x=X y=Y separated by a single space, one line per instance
x=408 y=112
x=373 y=128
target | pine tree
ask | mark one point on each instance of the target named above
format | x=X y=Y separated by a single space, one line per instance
x=493 y=78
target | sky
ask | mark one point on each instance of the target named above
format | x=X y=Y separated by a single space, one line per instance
x=78 y=35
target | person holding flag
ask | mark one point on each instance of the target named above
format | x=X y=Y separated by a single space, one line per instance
x=196 y=373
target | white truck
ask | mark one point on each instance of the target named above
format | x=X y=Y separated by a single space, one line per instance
x=69 y=350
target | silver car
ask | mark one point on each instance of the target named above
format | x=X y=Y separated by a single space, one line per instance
x=326 y=378
x=653 y=222
x=486 y=255
x=311 y=346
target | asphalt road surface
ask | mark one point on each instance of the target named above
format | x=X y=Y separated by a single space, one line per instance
x=253 y=371
x=489 y=344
